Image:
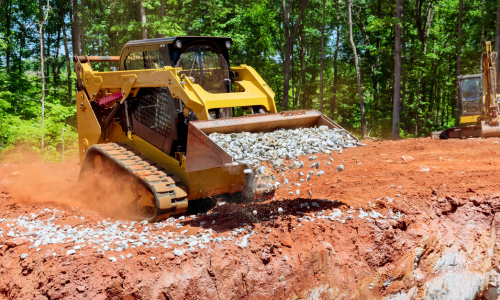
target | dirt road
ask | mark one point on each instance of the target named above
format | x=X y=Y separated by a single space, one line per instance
x=412 y=219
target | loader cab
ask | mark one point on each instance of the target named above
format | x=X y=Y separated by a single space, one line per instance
x=157 y=116
x=196 y=55
x=471 y=93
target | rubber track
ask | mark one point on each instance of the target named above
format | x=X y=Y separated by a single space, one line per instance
x=166 y=188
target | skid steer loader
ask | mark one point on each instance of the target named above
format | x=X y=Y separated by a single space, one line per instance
x=479 y=98
x=145 y=126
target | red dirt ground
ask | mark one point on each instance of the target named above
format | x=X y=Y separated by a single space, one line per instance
x=323 y=259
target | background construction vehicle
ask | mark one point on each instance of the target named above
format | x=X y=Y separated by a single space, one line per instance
x=479 y=98
x=145 y=126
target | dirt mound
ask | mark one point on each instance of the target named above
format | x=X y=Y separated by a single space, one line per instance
x=383 y=228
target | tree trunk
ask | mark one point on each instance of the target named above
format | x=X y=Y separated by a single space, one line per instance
x=321 y=60
x=142 y=12
x=303 y=99
x=397 y=73
x=289 y=38
x=358 y=75
x=55 y=66
x=162 y=14
x=68 y=64
x=497 y=45
x=438 y=111
x=9 y=43
x=76 y=29
x=42 y=64
x=83 y=27
x=459 y=54
x=335 y=64
x=335 y=72
x=23 y=45
x=47 y=55
x=294 y=86
x=376 y=85
x=403 y=60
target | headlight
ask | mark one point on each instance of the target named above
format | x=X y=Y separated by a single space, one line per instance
x=228 y=44
x=178 y=44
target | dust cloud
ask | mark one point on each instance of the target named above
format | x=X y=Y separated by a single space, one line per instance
x=39 y=183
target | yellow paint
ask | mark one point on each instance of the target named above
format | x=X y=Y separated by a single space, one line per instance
x=252 y=88
x=126 y=84
x=216 y=181
x=89 y=130
x=469 y=119
x=91 y=81
x=160 y=157
x=113 y=133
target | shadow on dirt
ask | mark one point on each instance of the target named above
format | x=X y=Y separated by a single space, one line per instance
x=228 y=216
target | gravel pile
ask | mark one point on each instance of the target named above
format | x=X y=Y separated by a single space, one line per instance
x=253 y=148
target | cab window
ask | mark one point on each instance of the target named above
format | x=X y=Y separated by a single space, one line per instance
x=472 y=96
x=206 y=67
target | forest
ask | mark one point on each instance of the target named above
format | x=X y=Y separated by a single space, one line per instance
x=381 y=69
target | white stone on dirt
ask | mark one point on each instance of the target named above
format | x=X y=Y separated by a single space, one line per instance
x=362 y=214
x=336 y=213
x=24 y=255
x=373 y=214
x=179 y=252
x=70 y=252
x=113 y=259
x=403 y=295
x=340 y=168
x=244 y=241
x=297 y=192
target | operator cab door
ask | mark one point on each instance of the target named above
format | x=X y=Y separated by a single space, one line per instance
x=471 y=95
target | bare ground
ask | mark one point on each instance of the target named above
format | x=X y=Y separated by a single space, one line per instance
x=433 y=233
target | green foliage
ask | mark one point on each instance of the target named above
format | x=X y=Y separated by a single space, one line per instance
x=257 y=30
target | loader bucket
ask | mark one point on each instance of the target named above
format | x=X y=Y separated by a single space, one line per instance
x=203 y=153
